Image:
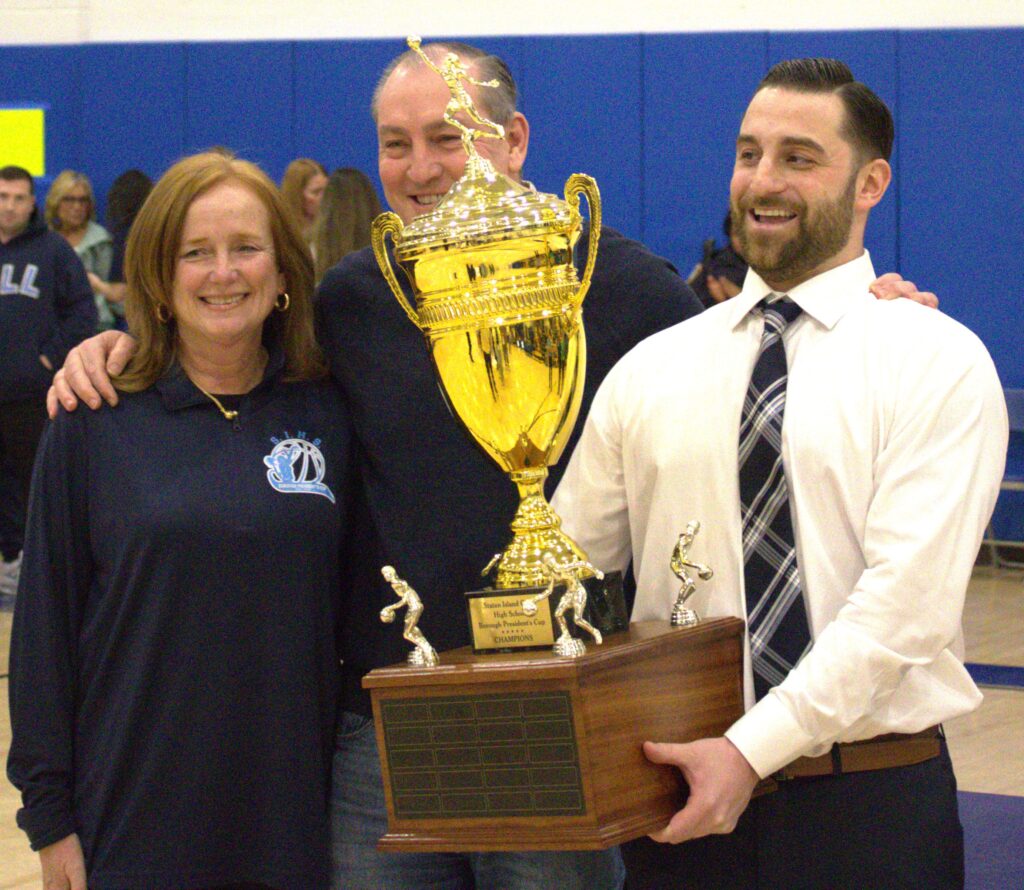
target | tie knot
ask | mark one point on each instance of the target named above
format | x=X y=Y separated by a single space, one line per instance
x=779 y=314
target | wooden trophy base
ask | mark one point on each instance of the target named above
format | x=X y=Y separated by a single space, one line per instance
x=529 y=751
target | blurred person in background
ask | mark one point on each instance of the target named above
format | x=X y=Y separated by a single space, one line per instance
x=124 y=200
x=46 y=307
x=303 y=188
x=71 y=211
x=173 y=673
x=719 y=275
x=342 y=226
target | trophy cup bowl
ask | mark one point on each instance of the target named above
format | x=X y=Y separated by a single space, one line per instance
x=499 y=302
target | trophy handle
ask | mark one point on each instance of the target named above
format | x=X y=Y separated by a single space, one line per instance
x=382 y=225
x=580 y=183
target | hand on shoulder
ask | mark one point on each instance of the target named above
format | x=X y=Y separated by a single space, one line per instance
x=892 y=286
x=87 y=371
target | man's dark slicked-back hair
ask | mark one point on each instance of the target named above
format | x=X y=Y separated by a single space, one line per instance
x=868 y=125
x=11 y=173
x=498 y=103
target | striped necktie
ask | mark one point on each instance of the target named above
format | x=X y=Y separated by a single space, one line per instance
x=776 y=615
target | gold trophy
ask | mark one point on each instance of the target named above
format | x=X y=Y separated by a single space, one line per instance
x=499 y=302
x=499 y=748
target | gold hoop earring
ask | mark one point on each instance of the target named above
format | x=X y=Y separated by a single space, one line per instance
x=163 y=313
x=282 y=305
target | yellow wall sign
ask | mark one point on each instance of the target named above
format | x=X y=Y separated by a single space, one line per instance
x=23 y=139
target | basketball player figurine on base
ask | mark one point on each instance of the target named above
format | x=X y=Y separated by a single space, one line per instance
x=574 y=599
x=681 y=615
x=423 y=655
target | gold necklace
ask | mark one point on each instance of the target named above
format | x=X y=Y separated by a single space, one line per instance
x=231 y=415
x=228 y=415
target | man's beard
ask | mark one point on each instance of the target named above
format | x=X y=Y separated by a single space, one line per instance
x=820 y=235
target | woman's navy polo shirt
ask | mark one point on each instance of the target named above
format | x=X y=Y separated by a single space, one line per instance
x=173 y=666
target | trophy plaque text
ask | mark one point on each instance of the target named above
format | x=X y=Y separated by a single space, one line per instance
x=497 y=622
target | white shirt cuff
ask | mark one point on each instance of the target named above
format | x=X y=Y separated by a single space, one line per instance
x=768 y=736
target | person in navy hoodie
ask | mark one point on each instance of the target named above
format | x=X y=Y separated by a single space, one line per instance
x=44 y=311
x=173 y=667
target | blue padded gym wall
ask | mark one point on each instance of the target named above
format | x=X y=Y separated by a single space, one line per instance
x=246 y=111
x=582 y=98
x=696 y=87
x=652 y=117
x=132 y=105
x=962 y=182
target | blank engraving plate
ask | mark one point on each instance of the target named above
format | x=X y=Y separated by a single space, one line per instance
x=470 y=756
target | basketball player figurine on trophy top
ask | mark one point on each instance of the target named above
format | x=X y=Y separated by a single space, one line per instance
x=454 y=74
x=681 y=615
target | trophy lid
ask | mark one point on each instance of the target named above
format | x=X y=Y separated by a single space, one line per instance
x=485 y=207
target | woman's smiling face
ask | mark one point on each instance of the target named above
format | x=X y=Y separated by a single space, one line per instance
x=226 y=277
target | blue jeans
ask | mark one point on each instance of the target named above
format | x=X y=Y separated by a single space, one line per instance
x=359 y=820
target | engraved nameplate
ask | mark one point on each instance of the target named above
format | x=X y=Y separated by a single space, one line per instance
x=467 y=756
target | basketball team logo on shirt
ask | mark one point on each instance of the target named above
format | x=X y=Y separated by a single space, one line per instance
x=297 y=465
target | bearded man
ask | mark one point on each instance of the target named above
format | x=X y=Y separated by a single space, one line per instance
x=867 y=446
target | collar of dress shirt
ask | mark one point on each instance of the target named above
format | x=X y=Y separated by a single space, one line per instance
x=823 y=297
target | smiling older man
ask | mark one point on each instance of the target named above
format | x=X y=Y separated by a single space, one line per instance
x=432 y=503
